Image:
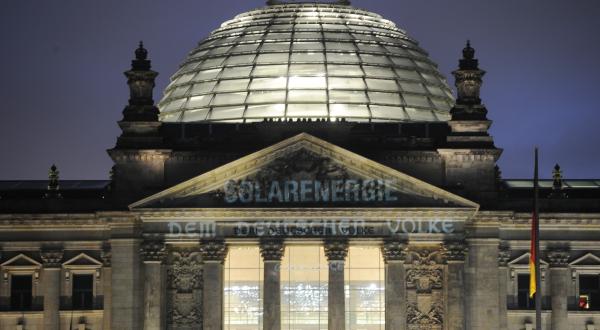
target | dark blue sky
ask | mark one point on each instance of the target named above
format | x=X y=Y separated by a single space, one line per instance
x=62 y=89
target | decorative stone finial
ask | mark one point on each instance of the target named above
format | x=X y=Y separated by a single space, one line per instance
x=53 y=183
x=558 y=178
x=468 y=51
x=141 y=53
x=468 y=81
x=557 y=184
x=141 y=62
x=53 y=176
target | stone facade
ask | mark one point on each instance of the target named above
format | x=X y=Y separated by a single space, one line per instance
x=454 y=236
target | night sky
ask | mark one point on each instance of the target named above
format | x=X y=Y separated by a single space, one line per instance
x=62 y=88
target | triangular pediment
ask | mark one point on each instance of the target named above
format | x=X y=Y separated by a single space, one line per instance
x=21 y=260
x=82 y=260
x=589 y=259
x=523 y=260
x=303 y=171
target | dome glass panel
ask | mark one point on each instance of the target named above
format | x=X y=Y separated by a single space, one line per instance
x=307 y=60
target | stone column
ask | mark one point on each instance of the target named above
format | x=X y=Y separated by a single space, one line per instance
x=272 y=252
x=52 y=259
x=559 y=284
x=394 y=255
x=336 y=252
x=503 y=259
x=213 y=256
x=153 y=254
x=455 y=252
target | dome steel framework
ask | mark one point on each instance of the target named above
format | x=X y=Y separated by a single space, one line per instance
x=307 y=61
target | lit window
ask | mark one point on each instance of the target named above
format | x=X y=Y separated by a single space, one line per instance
x=523 y=300
x=21 y=292
x=365 y=289
x=589 y=292
x=83 y=292
x=243 y=289
x=304 y=283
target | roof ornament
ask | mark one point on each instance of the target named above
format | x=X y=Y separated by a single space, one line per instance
x=141 y=62
x=468 y=84
x=53 y=183
x=141 y=53
x=558 y=183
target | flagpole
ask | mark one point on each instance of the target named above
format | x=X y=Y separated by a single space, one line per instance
x=538 y=273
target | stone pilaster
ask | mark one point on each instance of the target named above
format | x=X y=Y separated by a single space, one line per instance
x=106 y=255
x=455 y=252
x=52 y=259
x=394 y=255
x=336 y=252
x=213 y=256
x=503 y=259
x=482 y=282
x=126 y=285
x=153 y=254
x=559 y=284
x=272 y=252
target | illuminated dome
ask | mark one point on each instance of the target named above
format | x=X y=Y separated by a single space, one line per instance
x=318 y=61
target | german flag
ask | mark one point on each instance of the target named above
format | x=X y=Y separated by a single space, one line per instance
x=532 y=255
x=535 y=232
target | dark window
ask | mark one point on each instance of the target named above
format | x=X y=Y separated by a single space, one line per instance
x=524 y=302
x=83 y=292
x=21 y=292
x=589 y=292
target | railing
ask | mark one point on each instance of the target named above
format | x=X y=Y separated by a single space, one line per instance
x=37 y=305
x=66 y=304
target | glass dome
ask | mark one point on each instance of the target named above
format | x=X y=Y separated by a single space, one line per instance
x=301 y=61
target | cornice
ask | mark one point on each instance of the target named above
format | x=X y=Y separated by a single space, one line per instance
x=120 y=155
x=470 y=155
x=234 y=214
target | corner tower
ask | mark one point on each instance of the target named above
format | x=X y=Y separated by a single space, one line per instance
x=470 y=155
x=139 y=155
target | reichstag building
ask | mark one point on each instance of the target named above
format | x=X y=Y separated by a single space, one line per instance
x=307 y=168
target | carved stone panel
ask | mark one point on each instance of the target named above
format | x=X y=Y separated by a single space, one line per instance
x=184 y=280
x=425 y=287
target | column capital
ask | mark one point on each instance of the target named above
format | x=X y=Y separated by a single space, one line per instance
x=394 y=250
x=213 y=250
x=336 y=250
x=153 y=250
x=272 y=249
x=455 y=250
x=52 y=257
x=504 y=253
x=558 y=257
